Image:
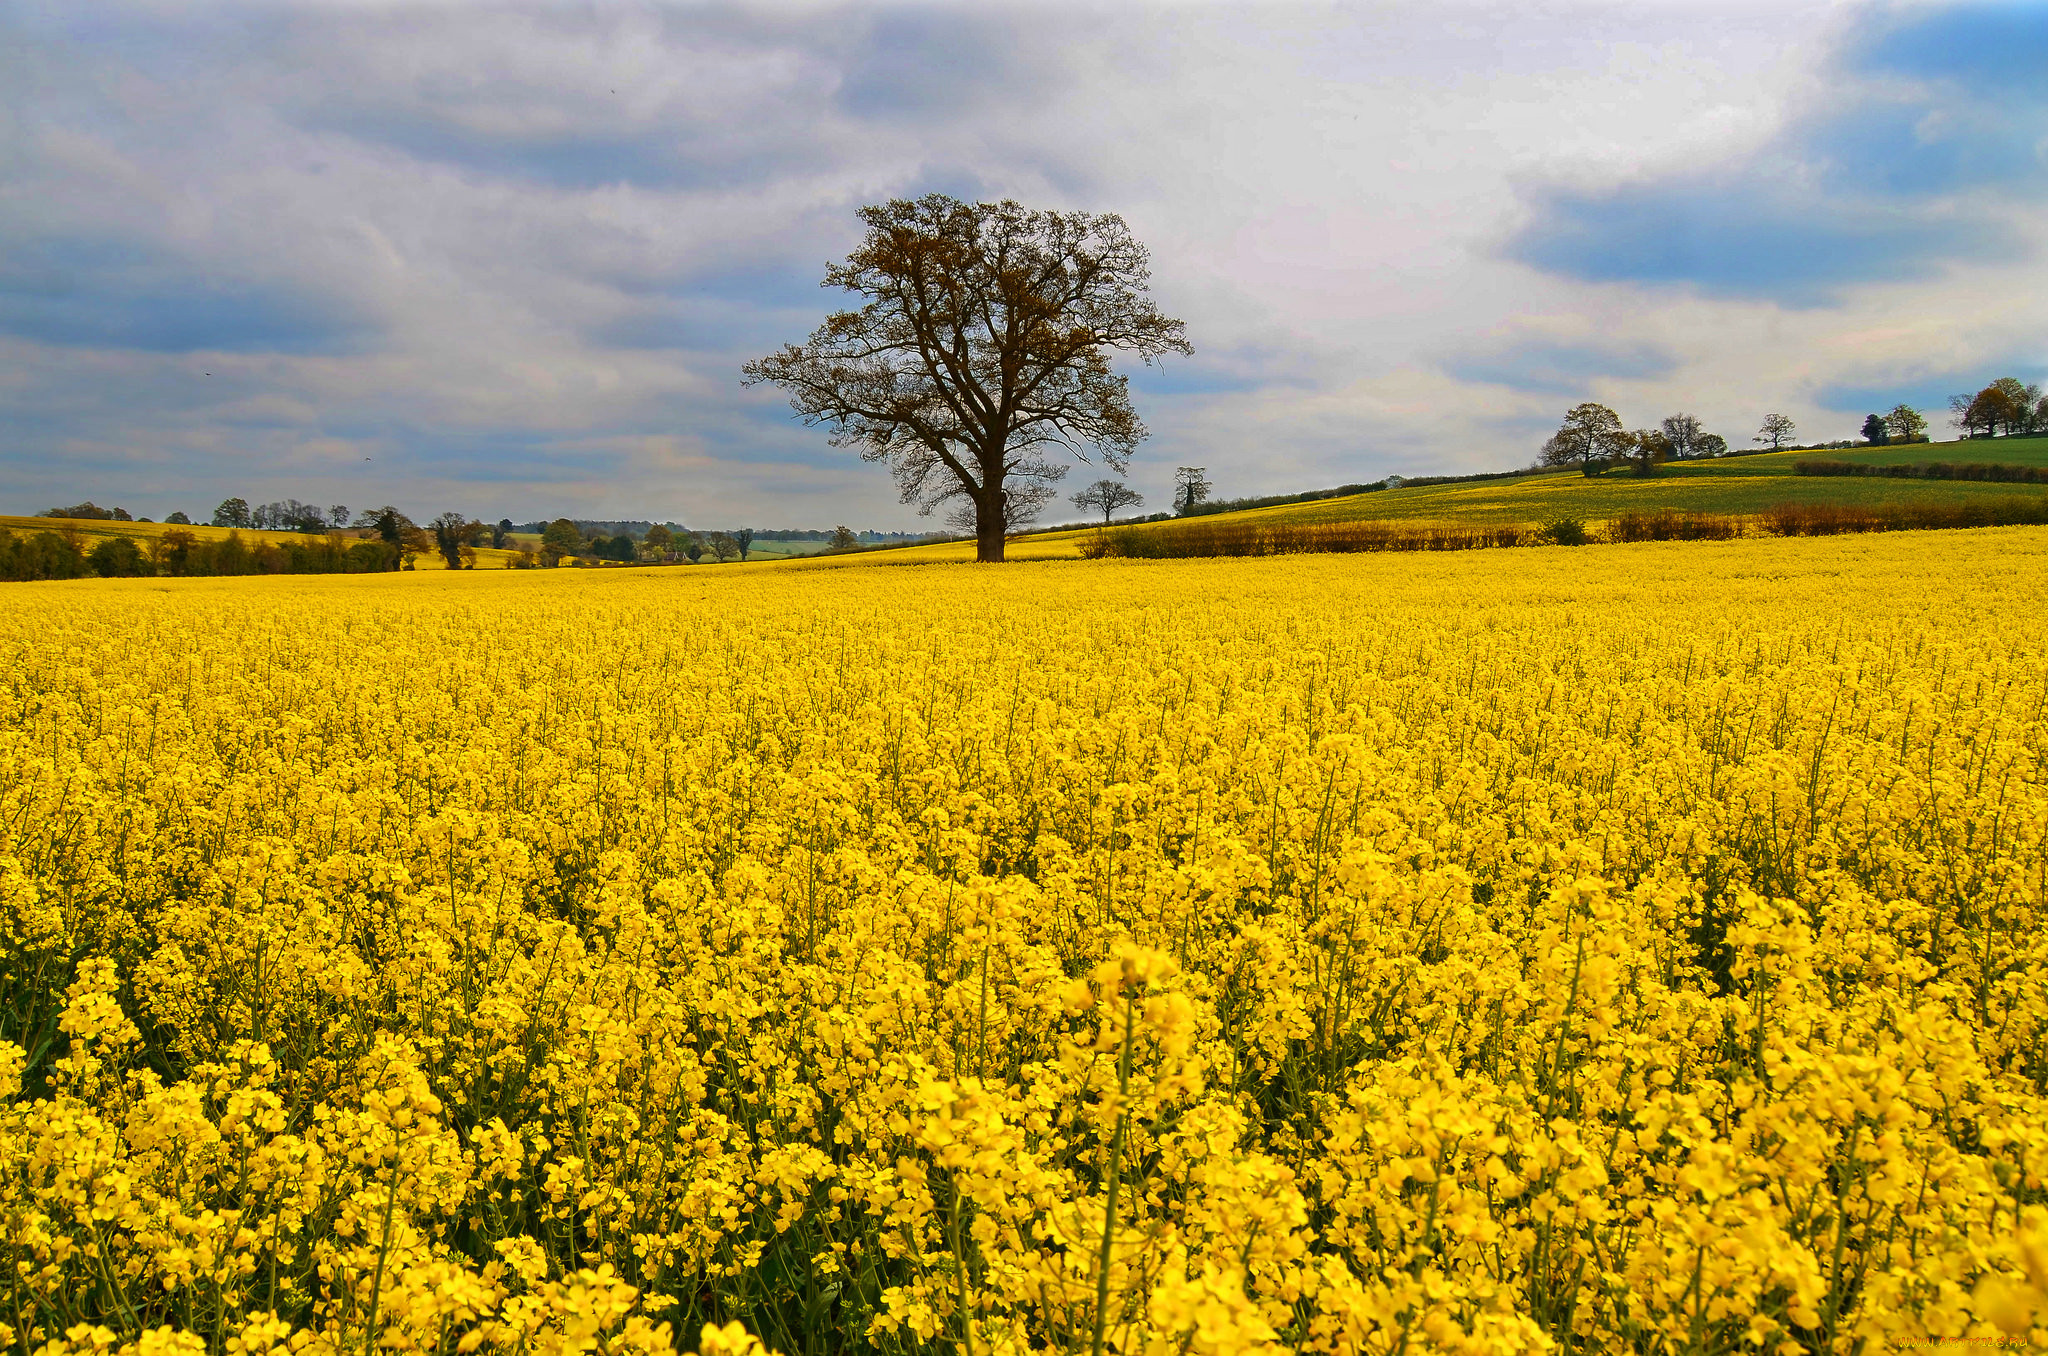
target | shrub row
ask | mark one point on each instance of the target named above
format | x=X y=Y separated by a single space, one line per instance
x=1191 y=539
x=1188 y=539
x=64 y=555
x=1670 y=525
x=1823 y=520
x=1928 y=470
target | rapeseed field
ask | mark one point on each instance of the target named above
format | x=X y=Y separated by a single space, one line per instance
x=1641 y=950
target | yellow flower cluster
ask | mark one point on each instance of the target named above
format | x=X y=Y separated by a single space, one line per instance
x=1500 y=952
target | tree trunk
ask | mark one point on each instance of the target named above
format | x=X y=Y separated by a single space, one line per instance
x=988 y=527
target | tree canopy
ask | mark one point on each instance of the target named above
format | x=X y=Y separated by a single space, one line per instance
x=1683 y=432
x=1904 y=423
x=1108 y=496
x=1590 y=436
x=980 y=354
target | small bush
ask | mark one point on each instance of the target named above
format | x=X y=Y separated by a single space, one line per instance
x=1565 y=530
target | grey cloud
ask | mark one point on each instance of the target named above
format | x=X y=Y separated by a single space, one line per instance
x=653 y=97
x=112 y=293
x=1735 y=238
x=1549 y=366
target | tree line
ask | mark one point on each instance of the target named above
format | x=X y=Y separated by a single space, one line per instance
x=1593 y=438
x=2018 y=408
x=379 y=539
x=63 y=554
x=662 y=544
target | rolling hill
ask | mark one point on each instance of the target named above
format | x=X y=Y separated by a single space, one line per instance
x=1733 y=485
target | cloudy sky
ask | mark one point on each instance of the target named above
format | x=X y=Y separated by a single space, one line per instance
x=508 y=258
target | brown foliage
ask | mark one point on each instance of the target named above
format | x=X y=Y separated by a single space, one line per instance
x=1208 y=538
x=1670 y=525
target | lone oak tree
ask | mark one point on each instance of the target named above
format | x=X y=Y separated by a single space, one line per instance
x=980 y=351
x=1776 y=429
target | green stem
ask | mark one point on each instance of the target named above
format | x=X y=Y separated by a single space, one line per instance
x=377 y=1279
x=1116 y=1154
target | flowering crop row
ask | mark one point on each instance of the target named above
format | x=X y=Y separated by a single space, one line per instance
x=1505 y=951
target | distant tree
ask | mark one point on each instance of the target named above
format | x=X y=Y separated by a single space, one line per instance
x=560 y=538
x=1904 y=424
x=1874 y=431
x=1959 y=413
x=695 y=549
x=2021 y=400
x=2002 y=409
x=88 y=511
x=1647 y=449
x=337 y=516
x=1973 y=413
x=744 y=539
x=1776 y=430
x=724 y=547
x=1712 y=445
x=413 y=542
x=1991 y=409
x=1590 y=436
x=981 y=346
x=119 y=558
x=1190 y=487
x=289 y=515
x=393 y=528
x=45 y=555
x=453 y=532
x=1108 y=496
x=843 y=539
x=171 y=552
x=178 y=517
x=232 y=513
x=500 y=532
x=658 y=544
x=1683 y=432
